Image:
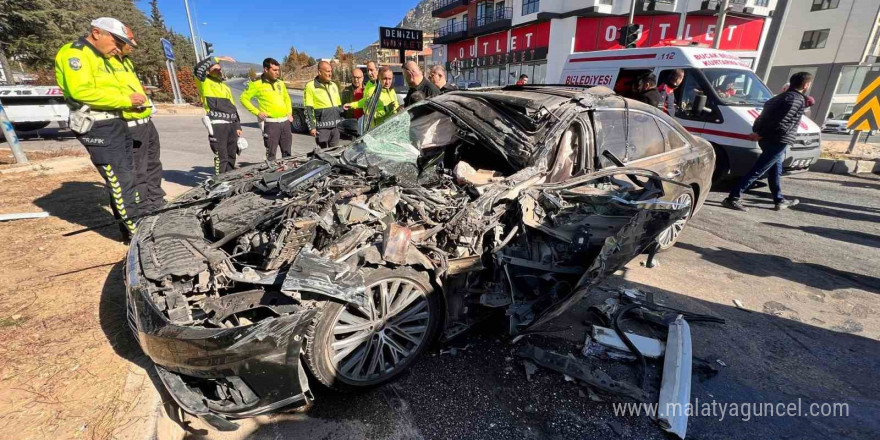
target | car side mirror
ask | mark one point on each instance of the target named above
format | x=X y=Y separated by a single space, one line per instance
x=699 y=104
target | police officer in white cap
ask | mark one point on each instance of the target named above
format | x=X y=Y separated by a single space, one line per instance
x=97 y=98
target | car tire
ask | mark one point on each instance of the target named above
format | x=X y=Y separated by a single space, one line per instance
x=722 y=166
x=670 y=236
x=299 y=122
x=342 y=340
x=30 y=126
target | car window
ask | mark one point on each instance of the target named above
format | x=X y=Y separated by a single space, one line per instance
x=567 y=154
x=610 y=132
x=672 y=138
x=644 y=135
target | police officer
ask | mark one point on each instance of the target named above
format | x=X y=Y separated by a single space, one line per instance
x=323 y=107
x=275 y=111
x=97 y=97
x=223 y=120
x=147 y=166
x=387 y=105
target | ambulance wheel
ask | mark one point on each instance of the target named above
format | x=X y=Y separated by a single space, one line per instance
x=722 y=166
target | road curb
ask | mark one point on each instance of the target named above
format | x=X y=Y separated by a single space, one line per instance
x=845 y=166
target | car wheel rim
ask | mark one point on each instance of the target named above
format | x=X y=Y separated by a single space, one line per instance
x=670 y=235
x=369 y=343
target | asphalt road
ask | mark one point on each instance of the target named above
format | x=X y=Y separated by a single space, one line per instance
x=808 y=279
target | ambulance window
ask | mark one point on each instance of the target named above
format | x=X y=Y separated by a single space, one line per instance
x=610 y=132
x=687 y=95
x=644 y=135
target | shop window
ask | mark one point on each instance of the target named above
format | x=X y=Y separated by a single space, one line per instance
x=814 y=39
x=821 y=5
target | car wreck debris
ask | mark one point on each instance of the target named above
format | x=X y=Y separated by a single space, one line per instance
x=649 y=347
x=581 y=371
x=350 y=263
x=675 y=388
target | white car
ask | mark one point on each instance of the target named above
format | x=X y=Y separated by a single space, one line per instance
x=838 y=126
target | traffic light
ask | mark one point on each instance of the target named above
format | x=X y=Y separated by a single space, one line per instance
x=209 y=48
x=629 y=34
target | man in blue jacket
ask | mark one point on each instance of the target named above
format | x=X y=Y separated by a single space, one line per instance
x=775 y=130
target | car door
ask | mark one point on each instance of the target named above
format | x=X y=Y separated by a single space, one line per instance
x=643 y=141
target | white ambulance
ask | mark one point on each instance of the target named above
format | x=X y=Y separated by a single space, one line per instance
x=719 y=98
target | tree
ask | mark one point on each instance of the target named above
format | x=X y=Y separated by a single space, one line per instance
x=290 y=63
x=311 y=62
x=340 y=54
x=252 y=74
x=156 y=18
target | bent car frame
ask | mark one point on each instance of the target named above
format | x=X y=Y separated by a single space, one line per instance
x=347 y=265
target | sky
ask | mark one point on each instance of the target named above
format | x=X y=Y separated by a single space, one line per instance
x=251 y=30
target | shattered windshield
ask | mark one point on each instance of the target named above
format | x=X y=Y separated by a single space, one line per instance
x=387 y=147
x=395 y=146
x=738 y=87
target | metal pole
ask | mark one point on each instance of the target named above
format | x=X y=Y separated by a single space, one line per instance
x=719 y=25
x=9 y=134
x=192 y=33
x=180 y=99
x=632 y=12
x=852 y=142
x=681 y=20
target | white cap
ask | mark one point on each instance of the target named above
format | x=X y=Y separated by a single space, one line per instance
x=114 y=26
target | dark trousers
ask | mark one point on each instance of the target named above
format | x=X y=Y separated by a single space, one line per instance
x=770 y=162
x=109 y=144
x=147 y=166
x=327 y=137
x=277 y=134
x=224 y=144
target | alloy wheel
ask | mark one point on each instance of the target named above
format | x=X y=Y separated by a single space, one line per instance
x=369 y=343
x=668 y=237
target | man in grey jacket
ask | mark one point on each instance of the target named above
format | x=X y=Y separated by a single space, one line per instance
x=775 y=130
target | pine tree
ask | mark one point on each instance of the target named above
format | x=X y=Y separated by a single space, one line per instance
x=156 y=18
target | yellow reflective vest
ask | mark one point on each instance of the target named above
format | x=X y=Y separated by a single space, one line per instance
x=272 y=98
x=385 y=108
x=216 y=96
x=86 y=77
x=125 y=72
x=322 y=104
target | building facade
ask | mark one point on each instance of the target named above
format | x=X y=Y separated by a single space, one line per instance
x=493 y=42
x=836 y=41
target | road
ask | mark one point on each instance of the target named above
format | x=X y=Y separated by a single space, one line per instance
x=808 y=279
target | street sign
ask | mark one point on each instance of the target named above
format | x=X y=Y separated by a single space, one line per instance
x=168 y=49
x=866 y=113
x=400 y=39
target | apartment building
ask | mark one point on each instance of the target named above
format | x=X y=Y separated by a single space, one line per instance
x=836 y=41
x=493 y=42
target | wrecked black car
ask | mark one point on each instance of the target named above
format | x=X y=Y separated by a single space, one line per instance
x=348 y=264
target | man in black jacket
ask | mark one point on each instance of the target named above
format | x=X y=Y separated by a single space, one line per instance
x=417 y=82
x=648 y=91
x=774 y=130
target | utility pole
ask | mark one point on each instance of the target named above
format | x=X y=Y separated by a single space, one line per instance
x=719 y=25
x=192 y=32
x=679 y=35
x=632 y=12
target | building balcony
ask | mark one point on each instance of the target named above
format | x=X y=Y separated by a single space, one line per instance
x=748 y=7
x=448 y=8
x=451 y=33
x=657 y=6
x=499 y=19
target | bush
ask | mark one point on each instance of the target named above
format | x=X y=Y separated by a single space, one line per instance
x=187 y=87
